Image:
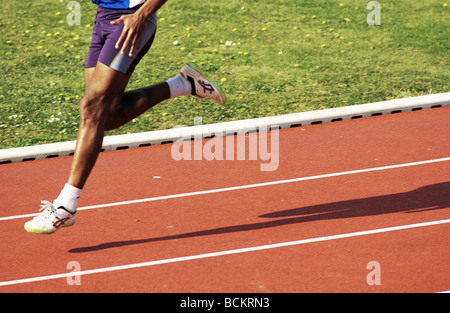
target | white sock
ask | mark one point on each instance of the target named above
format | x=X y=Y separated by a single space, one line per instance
x=179 y=86
x=68 y=198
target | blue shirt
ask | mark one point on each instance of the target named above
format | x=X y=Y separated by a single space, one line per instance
x=118 y=4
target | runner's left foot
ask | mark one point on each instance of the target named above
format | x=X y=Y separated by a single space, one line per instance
x=202 y=87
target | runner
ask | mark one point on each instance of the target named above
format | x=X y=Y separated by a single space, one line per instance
x=124 y=31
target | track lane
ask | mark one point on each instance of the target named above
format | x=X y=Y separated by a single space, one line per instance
x=179 y=227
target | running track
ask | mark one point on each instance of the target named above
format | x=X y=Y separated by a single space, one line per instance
x=344 y=194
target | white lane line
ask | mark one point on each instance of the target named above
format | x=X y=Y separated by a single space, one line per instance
x=222 y=253
x=272 y=183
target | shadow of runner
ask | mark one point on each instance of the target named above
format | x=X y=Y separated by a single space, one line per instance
x=432 y=197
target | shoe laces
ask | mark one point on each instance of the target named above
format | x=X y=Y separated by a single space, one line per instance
x=47 y=208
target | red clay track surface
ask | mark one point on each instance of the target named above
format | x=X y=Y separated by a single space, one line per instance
x=275 y=237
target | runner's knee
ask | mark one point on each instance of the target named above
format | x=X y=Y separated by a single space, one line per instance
x=93 y=107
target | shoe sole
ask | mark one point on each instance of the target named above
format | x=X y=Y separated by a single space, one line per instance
x=216 y=87
x=44 y=232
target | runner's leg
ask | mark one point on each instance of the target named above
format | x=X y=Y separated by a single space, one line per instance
x=105 y=107
x=105 y=87
x=134 y=102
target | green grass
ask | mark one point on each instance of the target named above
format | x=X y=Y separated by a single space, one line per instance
x=271 y=57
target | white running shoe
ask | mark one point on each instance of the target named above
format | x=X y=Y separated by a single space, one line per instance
x=50 y=220
x=202 y=86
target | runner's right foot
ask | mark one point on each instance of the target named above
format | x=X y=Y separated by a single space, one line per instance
x=50 y=220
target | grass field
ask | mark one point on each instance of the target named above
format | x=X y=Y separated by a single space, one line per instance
x=271 y=57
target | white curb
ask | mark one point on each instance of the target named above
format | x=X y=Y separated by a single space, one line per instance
x=119 y=142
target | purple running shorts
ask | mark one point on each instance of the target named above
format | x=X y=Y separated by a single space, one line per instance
x=105 y=36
